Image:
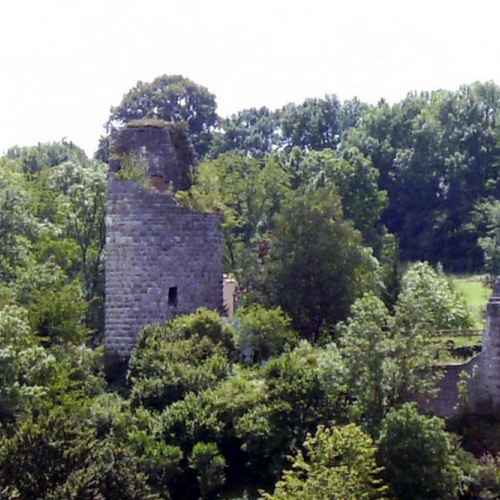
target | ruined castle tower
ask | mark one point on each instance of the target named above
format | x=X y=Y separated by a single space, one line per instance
x=487 y=397
x=161 y=259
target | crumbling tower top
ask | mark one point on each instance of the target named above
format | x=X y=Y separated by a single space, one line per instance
x=162 y=146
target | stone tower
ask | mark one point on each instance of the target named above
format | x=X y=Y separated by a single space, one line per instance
x=162 y=259
x=487 y=389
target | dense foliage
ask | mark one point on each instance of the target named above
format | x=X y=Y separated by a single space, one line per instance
x=307 y=392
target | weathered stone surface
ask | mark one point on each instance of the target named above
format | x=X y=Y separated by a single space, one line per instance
x=163 y=146
x=487 y=394
x=161 y=258
x=483 y=371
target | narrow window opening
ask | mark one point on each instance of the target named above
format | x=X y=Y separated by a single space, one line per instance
x=172 y=296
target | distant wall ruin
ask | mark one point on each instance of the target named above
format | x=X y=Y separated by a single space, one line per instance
x=162 y=259
x=483 y=373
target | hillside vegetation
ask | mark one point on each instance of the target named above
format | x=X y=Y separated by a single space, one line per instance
x=341 y=221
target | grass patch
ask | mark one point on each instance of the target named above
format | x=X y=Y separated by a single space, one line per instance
x=476 y=295
x=456 y=348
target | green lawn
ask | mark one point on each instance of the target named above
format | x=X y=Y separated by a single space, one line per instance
x=476 y=294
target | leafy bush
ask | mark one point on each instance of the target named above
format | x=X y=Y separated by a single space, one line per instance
x=428 y=298
x=257 y=416
x=189 y=354
x=213 y=414
x=134 y=168
x=339 y=462
x=209 y=466
x=55 y=457
x=385 y=364
x=25 y=367
x=181 y=366
x=263 y=333
x=202 y=323
x=419 y=457
x=58 y=315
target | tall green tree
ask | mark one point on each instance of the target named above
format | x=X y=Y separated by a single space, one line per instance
x=248 y=192
x=171 y=98
x=420 y=459
x=253 y=132
x=313 y=124
x=338 y=462
x=435 y=154
x=354 y=177
x=387 y=361
x=317 y=265
x=18 y=226
x=80 y=193
x=34 y=158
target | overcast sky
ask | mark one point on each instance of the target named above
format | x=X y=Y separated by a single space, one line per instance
x=65 y=62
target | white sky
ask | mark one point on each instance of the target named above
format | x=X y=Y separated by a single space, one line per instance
x=65 y=62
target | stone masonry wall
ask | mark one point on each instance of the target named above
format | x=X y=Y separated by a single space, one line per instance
x=161 y=259
x=483 y=371
x=487 y=397
x=163 y=147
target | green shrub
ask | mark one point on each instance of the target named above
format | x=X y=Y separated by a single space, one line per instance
x=202 y=323
x=263 y=333
x=339 y=463
x=25 y=366
x=419 y=457
x=134 y=168
x=189 y=354
x=56 y=456
x=58 y=315
x=209 y=466
x=182 y=366
x=429 y=298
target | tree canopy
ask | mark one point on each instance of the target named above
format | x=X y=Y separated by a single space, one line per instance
x=171 y=98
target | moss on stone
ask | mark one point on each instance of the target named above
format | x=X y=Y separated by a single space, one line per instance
x=148 y=123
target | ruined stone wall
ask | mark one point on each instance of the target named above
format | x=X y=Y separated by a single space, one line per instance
x=161 y=259
x=483 y=373
x=163 y=146
x=446 y=403
x=487 y=397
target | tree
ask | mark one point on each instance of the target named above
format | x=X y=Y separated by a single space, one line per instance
x=314 y=124
x=419 y=457
x=17 y=223
x=317 y=265
x=428 y=298
x=351 y=113
x=387 y=363
x=262 y=333
x=187 y=355
x=353 y=175
x=80 y=197
x=339 y=463
x=56 y=457
x=50 y=154
x=486 y=225
x=436 y=154
x=209 y=465
x=25 y=365
x=248 y=192
x=253 y=132
x=171 y=98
